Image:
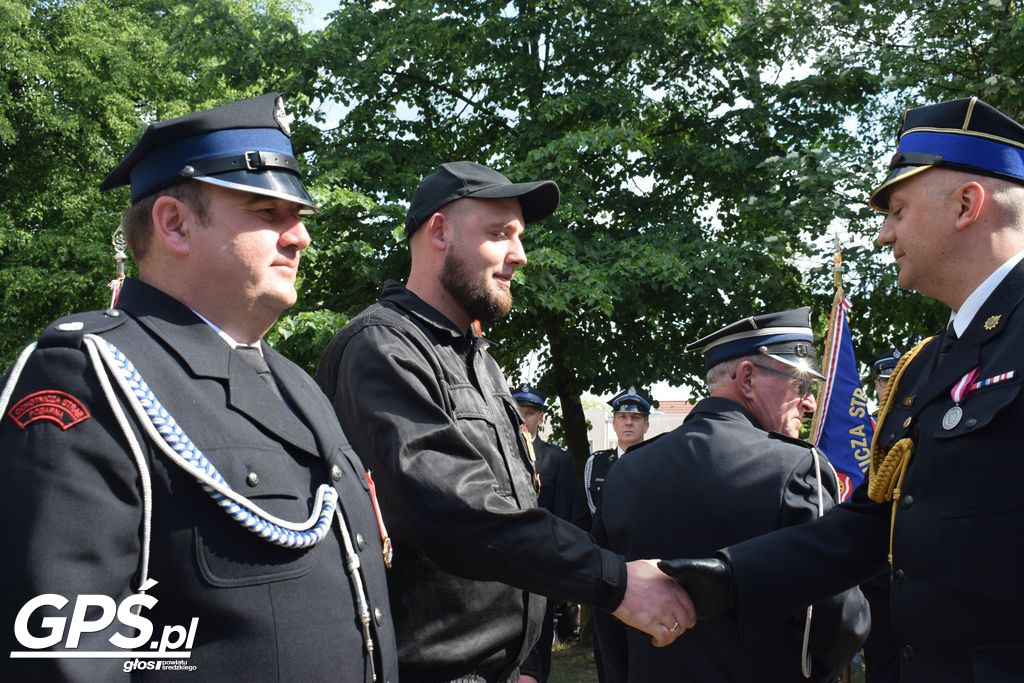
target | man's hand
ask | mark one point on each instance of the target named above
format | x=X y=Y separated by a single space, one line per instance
x=708 y=581
x=654 y=603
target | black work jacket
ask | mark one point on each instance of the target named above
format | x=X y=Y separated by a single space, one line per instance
x=429 y=413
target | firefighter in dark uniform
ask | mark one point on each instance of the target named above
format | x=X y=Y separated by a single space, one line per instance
x=881 y=656
x=557 y=476
x=631 y=415
x=733 y=470
x=631 y=411
x=882 y=368
x=161 y=447
x=943 y=507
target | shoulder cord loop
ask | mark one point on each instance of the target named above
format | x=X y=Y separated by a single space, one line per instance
x=888 y=469
x=805 y=656
x=588 y=469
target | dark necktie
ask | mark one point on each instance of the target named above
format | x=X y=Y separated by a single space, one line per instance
x=252 y=356
x=946 y=343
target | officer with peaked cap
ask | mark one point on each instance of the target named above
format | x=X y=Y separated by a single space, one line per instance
x=631 y=418
x=943 y=507
x=557 y=475
x=429 y=412
x=733 y=470
x=882 y=368
x=163 y=447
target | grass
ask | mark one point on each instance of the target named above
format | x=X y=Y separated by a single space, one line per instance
x=574 y=663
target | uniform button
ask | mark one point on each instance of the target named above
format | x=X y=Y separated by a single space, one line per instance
x=908 y=501
x=112 y=312
x=908 y=652
x=252 y=479
x=906 y=423
x=335 y=473
x=970 y=422
x=360 y=541
x=898 y=576
x=378 y=616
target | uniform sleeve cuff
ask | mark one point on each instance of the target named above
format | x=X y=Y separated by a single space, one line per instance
x=612 y=587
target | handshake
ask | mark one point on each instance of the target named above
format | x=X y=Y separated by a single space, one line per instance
x=664 y=598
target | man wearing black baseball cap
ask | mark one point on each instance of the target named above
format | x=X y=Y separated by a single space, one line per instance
x=428 y=411
x=942 y=509
x=163 y=447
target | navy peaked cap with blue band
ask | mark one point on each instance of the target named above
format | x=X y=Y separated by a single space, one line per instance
x=785 y=336
x=630 y=401
x=244 y=145
x=966 y=135
x=459 y=179
x=883 y=365
x=527 y=394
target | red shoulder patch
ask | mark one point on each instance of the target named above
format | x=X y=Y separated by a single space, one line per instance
x=55 y=406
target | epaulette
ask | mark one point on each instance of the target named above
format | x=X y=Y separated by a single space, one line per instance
x=70 y=330
x=789 y=439
x=647 y=441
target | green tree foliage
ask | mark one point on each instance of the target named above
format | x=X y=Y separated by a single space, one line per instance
x=78 y=82
x=687 y=172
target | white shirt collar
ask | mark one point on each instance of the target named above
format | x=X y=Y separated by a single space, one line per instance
x=621 y=452
x=962 y=318
x=227 y=337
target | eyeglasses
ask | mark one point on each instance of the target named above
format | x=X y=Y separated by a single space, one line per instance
x=805 y=384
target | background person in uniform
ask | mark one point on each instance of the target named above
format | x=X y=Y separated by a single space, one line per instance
x=882 y=368
x=631 y=418
x=557 y=491
x=216 y=231
x=429 y=412
x=948 y=437
x=733 y=470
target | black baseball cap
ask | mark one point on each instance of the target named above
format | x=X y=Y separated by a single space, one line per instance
x=458 y=179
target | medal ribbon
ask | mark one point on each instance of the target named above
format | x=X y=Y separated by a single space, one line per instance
x=385 y=539
x=964 y=386
x=993 y=380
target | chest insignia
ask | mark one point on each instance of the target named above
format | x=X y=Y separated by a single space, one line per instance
x=992 y=321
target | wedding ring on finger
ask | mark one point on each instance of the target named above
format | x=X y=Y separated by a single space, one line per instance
x=675 y=627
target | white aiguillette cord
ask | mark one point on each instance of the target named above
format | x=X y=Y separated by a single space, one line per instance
x=171 y=440
x=805 y=656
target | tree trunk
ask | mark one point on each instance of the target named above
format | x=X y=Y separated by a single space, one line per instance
x=573 y=418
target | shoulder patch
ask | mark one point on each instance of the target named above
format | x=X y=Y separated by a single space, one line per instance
x=70 y=330
x=55 y=406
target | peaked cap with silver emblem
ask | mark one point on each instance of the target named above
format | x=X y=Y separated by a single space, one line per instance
x=529 y=395
x=785 y=336
x=630 y=401
x=243 y=145
x=884 y=365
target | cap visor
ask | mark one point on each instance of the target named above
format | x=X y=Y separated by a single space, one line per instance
x=879 y=199
x=539 y=199
x=279 y=184
x=800 y=365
